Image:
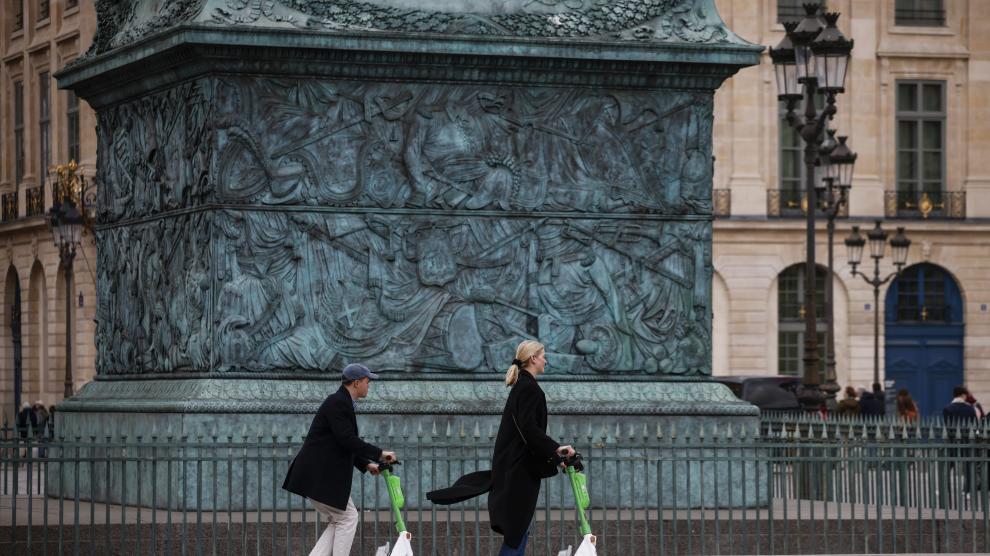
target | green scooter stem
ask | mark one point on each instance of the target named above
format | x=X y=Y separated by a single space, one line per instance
x=581 y=501
x=396 y=498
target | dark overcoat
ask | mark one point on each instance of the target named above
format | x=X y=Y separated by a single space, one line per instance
x=323 y=468
x=519 y=453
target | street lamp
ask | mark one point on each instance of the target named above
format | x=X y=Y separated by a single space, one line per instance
x=66 y=223
x=877 y=239
x=837 y=170
x=811 y=59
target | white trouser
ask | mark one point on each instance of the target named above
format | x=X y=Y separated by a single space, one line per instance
x=339 y=535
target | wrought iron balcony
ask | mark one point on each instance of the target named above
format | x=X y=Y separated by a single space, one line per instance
x=788 y=203
x=35 y=200
x=926 y=205
x=8 y=207
x=722 y=202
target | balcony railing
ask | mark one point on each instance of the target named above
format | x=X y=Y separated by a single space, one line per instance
x=8 y=207
x=722 y=202
x=925 y=205
x=787 y=203
x=35 y=201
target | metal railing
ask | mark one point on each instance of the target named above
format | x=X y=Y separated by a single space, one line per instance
x=653 y=491
x=926 y=204
x=788 y=203
x=8 y=207
x=35 y=200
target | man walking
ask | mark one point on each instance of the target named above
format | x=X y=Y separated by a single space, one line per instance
x=321 y=470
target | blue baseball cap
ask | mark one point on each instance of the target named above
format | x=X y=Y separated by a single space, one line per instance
x=354 y=371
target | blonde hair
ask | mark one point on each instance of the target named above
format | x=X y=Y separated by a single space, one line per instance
x=524 y=351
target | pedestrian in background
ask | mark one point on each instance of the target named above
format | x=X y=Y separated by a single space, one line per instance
x=971 y=400
x=958 y=409
x=322 y=470
x=871 y=403
x=849 y=406
x=907 y=410
x=524 y=455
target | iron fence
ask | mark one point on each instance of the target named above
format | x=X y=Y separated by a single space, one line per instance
x=653 y=491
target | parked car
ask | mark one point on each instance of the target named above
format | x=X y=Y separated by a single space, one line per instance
x=769 y=393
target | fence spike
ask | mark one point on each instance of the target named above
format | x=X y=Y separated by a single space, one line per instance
x=450 y=429
x=728 y=431
x=604 y=433
x=591 y=433
x=491 y=430
x=646 y=431
x=435 y=432
x=214 y=432
x=673 y=432
x=477 y=430
x=462 y=432
x=618 y=430
x=701 y=432
x=659 y=433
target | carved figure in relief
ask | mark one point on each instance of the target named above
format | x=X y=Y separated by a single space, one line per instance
x=411 y=290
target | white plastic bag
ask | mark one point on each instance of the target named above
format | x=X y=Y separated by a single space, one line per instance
x=402 y=547
x=587 y=547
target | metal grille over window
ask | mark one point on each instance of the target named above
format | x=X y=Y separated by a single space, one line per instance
x=919 y=13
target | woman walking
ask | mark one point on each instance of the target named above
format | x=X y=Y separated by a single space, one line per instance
x=524 y=455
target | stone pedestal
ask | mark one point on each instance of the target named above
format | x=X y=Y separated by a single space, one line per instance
x=288 y=188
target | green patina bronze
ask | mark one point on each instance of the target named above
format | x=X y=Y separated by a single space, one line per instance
x=288 y=186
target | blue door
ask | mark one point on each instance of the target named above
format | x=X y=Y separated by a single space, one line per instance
x=924 y=335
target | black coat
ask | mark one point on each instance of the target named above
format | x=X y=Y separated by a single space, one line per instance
x=515 y=486
x=322 y=470
x=957 y=413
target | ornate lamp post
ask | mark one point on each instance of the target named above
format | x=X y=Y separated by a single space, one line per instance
x=877 y=239
x=811 y=59
x=66 y=223
x=837 y=171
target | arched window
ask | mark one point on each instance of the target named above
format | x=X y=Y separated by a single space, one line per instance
x=790 y=320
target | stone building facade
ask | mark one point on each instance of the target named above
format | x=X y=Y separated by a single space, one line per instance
x=915 y=114
x=41 y=126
